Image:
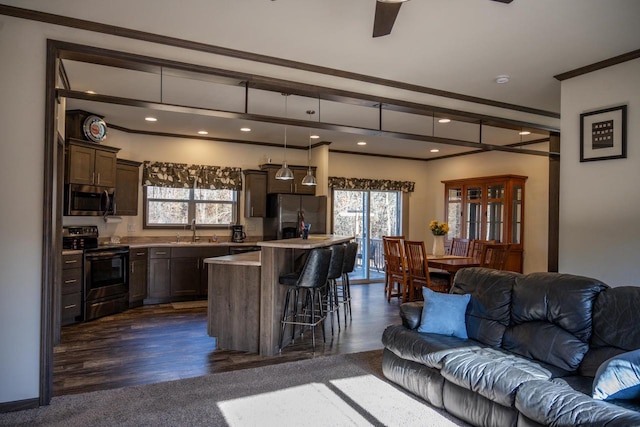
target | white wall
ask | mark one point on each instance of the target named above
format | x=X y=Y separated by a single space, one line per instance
x=191 y=151
x=21 y=192
x=599 y=202
x=536 y=168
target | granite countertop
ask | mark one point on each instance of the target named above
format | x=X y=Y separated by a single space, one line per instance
x=314 y=241
x=72 y=252
x=185 y=244
x=244 y=259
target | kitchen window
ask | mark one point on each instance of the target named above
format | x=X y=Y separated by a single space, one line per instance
x=167 y=207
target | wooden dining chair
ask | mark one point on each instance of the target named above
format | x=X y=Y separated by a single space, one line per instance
x=397 y=280
x=418 y=269
x=459 y=246
x=384 y=257
x=494 y=255
x=476 y=247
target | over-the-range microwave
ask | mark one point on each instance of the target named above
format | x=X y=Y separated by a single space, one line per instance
x=90 y=200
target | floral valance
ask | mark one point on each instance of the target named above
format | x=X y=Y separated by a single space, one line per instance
x=370 y=184
x=182 y=175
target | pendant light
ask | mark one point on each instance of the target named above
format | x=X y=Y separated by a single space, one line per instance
x=309 y=179
x=284 y=173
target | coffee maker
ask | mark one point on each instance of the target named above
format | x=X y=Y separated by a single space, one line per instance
x=237 y=234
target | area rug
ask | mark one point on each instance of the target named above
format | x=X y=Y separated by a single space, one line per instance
x=342 y=390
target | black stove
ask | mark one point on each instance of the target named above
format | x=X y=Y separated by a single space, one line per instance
x=105 y=289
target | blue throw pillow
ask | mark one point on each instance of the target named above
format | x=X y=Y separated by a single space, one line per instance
x=444 y=314
x=618 y=377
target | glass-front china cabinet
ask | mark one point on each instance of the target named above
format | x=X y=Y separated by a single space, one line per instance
x=488 y=208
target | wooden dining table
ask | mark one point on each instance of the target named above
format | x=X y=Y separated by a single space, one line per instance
x=451 y=263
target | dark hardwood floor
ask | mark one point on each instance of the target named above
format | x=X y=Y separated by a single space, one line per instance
x=166 y=342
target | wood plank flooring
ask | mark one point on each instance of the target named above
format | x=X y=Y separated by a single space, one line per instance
x=165 y=342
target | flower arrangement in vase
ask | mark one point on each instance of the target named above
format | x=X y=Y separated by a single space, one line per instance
x=438 y=229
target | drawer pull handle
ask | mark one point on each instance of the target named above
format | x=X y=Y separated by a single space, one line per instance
x=71 y=261
x=139 y=253
x=66 y=307
x=71 y=281
x=161 y=253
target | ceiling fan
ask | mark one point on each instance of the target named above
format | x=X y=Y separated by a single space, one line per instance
x=386 y=13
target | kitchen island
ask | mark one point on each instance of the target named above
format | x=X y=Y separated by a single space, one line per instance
x=245 y=297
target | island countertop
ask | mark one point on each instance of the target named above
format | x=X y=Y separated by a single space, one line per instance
x=246 y=259
x=314 y=241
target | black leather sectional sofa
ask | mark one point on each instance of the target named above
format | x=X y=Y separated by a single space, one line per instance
x=535 y=343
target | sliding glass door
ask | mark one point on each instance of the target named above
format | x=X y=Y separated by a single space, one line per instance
x=368 y=215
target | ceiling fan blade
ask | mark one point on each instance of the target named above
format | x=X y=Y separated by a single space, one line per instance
x=385 y=17
x=504 y=1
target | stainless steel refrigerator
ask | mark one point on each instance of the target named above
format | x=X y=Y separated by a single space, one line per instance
x=283 y=212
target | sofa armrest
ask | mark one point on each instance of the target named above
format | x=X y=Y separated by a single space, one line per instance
x=411 y=314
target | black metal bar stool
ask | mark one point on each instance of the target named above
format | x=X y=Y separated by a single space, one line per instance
x=335 y=271
x=311 y=280
x=348 y=265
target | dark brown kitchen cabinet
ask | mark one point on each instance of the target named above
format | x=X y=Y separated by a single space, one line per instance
x=127 y=185
x=90 y=164
x=159 y=277
x=255 y=194
x=179 y=273
x=71 y=289
x=293 y=186
x=185 y=277
x=137 y=276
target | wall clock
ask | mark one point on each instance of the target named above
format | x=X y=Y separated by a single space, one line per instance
x=94 y=129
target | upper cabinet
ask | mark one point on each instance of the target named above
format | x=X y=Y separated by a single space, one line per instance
x=488 y=208
x=293 y=186
x=255 y=193
x=90 y=164
x=127 y=185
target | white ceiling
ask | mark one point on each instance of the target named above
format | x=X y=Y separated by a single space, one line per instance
x=453 y=45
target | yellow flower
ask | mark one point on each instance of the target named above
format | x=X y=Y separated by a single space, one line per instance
x=439 y=228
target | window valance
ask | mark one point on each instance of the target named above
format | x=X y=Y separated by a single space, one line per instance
x=370 y=184
x=182 y=175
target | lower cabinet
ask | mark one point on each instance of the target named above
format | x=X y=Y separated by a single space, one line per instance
x=71 y=289
x=159 y=277
x=179 y=273
x=137 y=276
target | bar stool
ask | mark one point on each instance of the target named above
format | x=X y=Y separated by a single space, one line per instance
x=335 y=271
x=312 y=280
x=348 y=265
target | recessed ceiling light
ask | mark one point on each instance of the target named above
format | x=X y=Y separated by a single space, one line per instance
x=203 y=132
x=245 y=129
x=502 y=79
x=525 y=132
x=151 y=119
x=361 y=143
x=90 y=92
x=444 y=120
x=434 y=150
x=314 y=136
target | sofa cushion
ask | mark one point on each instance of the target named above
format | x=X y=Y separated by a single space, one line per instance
x=426 y=349
x=556 y=403
x=444 y=314
x=492 y=373
x=488 y=313
x=618 y=378
x=615 y=316
x=558 y=310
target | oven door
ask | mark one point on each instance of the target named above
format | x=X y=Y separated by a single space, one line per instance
x=106 y=273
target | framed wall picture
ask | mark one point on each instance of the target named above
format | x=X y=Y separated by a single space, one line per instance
x=603 y=134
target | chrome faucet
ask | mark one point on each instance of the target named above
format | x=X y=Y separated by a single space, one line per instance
x=193 y=228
